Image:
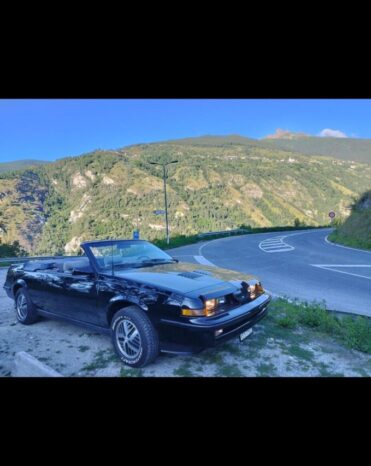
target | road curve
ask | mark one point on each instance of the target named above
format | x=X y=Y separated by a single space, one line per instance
x=299 y=264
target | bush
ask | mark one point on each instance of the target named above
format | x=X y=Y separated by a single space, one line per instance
x=287 y=322
x=354 y=332
x=12 y=250
x=315 y=315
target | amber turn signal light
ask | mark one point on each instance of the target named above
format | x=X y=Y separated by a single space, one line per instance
x=208 y=310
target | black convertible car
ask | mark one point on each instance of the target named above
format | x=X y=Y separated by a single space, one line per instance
x=146 y=300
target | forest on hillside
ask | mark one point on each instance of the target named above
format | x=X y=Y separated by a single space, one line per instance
x=50 y=208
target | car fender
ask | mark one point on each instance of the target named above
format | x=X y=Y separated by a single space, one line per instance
x=126 y=299
x=19 y=283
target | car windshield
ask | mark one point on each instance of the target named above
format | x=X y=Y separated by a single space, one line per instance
x=123 y=254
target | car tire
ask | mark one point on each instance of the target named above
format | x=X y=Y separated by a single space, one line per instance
x=134 y=337
x=25 y=309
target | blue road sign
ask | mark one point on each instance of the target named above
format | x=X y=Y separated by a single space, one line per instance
x=159 y=212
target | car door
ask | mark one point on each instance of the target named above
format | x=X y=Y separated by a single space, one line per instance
x=42 y=284
x=71 y=292
x=77 y=297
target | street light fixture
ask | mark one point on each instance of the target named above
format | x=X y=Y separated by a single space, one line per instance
x=164 y=165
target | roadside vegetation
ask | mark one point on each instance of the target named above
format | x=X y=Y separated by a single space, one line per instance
x=12 y=250
x=355 y=231
x=353 y=331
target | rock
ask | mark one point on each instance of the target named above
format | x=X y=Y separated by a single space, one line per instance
x=79 y=181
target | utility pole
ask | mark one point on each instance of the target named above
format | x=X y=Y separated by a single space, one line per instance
x=164 y=165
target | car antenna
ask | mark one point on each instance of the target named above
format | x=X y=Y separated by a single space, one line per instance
x=113 y=271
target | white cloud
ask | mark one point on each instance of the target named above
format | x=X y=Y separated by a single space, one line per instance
x=332 y=133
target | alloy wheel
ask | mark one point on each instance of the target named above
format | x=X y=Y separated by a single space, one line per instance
x=128 y=339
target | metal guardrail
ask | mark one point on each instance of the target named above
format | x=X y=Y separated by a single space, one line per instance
x=225 y=232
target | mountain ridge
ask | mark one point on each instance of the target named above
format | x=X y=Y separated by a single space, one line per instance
x=20 y=164
x=351 y=149
x=216 y=185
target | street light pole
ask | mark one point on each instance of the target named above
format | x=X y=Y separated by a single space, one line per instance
x=164 y=165
x=166 y=216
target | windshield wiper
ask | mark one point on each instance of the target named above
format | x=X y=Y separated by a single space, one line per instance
x=157 y=261
x=127 y=265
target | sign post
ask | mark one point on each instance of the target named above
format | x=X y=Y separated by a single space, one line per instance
x=136 y=232
x=332 y=215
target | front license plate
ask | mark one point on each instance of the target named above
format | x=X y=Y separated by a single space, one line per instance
x=245 y=334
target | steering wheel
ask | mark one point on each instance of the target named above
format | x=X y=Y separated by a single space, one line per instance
x=144 y=257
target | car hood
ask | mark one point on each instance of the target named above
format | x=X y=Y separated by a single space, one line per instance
x=187 y=278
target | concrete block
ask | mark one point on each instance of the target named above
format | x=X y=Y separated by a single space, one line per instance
x=26 y=365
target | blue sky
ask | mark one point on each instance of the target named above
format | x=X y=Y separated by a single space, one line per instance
x=49 y=129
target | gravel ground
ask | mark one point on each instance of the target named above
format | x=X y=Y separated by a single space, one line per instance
x=269 y=351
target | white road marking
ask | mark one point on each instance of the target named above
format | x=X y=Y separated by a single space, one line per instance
x=229 y=238
x=275 y=244
x=272 y=241
x=272 y=245
x=279 y=240
x=202 y=260
x=345 y=247
x=330 y=267
x=341 y=265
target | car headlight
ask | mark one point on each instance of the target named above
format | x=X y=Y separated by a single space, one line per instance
x=210 y=306
x=255 y=290
x=208 y=309
x=259 y=288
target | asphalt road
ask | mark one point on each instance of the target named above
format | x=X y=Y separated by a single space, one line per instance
x=301 y=264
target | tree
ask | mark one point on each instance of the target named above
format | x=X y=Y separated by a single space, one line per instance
x=12 y=250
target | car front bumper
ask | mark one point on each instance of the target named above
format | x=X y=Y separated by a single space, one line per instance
x=195 y=334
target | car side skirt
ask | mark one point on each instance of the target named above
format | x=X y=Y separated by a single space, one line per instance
x=80 y=323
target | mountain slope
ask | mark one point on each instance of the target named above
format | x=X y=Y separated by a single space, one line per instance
x=211 y=140
x=214 y=186
x=338 y=148
x=356 y=230
x=20 y=165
